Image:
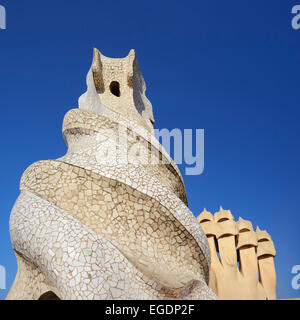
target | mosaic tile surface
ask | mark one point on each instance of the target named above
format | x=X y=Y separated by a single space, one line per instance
x=104 y=222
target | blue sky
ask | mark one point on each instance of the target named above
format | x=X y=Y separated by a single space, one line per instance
x=230 y=67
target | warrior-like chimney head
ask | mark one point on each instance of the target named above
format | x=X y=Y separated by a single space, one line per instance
x=118 y=85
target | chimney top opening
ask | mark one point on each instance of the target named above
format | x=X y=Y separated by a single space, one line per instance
x=115 y=88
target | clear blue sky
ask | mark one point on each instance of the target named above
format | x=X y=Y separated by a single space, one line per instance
x=231 y=67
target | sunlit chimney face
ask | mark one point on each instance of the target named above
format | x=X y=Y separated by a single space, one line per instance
x=121 y=87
